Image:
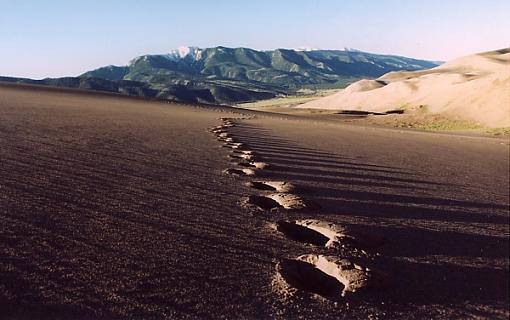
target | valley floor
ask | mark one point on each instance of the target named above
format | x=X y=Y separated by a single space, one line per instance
x=114 y=208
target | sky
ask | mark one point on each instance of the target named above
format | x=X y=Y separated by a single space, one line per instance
x=53 y=38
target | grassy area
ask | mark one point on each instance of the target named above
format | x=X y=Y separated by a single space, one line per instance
x=286 y=101
x=440 y=124
x=500 y=132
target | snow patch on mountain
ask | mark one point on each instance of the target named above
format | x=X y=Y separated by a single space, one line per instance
x=305 y=48
x=351 y=50
x=184 y=52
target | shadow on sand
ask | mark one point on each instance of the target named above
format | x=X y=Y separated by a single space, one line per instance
x=426 y=266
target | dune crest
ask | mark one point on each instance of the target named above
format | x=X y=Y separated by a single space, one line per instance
x=473 y=88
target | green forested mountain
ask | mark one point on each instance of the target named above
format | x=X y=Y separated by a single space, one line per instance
x=231 y=75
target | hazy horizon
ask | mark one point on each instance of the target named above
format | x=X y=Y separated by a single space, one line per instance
x=66 y=38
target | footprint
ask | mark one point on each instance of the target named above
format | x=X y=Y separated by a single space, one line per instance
x=259 y=165
x=327 y=275
x=305 y=276
x=262 y=203
x=220 y=128
x=256 y=165
x=317 y=232
x=241 y=172
x=279 y=186
x=260 y=185
x=239 y=146
x=292 y=201
x=224 y=140
x=250 y=157
x=246 y=164
x=215 y=129
x=343 y=236
x=233 y=156
x=340 y=237
x=302 y=234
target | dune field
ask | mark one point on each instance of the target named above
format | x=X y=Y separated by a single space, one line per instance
x=122 y=208
x=474 y=88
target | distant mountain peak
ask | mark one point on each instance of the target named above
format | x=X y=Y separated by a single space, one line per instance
x=183 y=52
x=352 y=50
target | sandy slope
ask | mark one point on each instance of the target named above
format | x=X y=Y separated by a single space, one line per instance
x=115 y=208
x=475 y=88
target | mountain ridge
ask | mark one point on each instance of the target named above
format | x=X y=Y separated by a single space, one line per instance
x=222 y=75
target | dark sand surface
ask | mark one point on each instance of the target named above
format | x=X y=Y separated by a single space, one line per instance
x=118 y=208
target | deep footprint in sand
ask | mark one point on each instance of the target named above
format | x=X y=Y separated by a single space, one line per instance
x=247 y=152
x=278 y=186
x=219 y=129
x=246 y=164
x=257 y=165
x=329 y=235
x=292 y=201
x=302 y=234
x=220 y=138
x=260 y=186
x=302 y=275
x=326 y=275
x=239 y=146
x=216 y=129
x=262 y=203
x=249 y=157
x=235 y=157
x=240 y=172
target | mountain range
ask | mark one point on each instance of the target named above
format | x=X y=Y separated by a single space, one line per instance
x=223 y=75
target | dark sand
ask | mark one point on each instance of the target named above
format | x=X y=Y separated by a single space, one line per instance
x=118 y=208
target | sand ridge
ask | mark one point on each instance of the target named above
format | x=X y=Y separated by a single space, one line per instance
x=472 y=88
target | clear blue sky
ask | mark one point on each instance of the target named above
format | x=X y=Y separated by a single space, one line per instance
x=41 y=38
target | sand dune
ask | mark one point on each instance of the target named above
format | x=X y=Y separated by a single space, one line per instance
x=474 y=88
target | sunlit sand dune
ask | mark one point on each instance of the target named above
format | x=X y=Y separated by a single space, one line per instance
x=473 y=88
